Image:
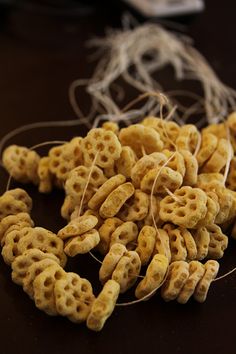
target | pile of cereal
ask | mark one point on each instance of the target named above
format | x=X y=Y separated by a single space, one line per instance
x=154 y=199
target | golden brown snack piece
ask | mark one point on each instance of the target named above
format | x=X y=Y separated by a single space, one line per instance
x=126 y=161
x=210 y=181
x=219 y=158
x=136 y=208
x=127 y=270
x=196 y=272
x=185 y=208
x=20 y=195
x=82 y=244
x=115 y=200
x=162 y=245
x=103 y=306
x=208 y=147
x=211 y=270
x=213 y=209
x=141 y=138
x=73 y=297
x=146 y=243
x=105 y=232
x=45 y=176
x=225 y=200
x=43 y=286
x=176 y=161
x=219 y=130
x=88 y=212
x=21 y=263
x=144 y=165
x=101 y=143
x=104 y=190
x=34 y=270
x=202 y=239
x=154 y=276
x=153 y=212
x=218 y=242
x=176 y=279
x=111 y=126
x=21 y=163
x=125 y=234
x=177 y=243
x=44 y=240
x=110 y=261
x=78 y=226
x=188 y=138
x=191 y=168
x=68 y=207
x=10 y=206
x=231 y=178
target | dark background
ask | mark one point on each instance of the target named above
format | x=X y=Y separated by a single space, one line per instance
x=40 y=54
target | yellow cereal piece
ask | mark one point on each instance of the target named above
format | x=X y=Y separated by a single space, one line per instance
x=146 y=243
x=177 y=276
x=213 y=209
x=191 y=168
x=126 y=161
x=125 y=234
x=219 y=158
x=196 y=272
x=163 y=177
x=153 y=211
x=103 y=306
x=115 y=200
x=105 y=232
x=105 y=143
x=43 y=286
x=208 y=147
x=136 y=208
x=88 y=212
x=110 y=171
x=218 y=242
x=78 y=226
x=185 y=208
x=216 y=129
x=231 y=178
x=188 y=138
x=68 y=207
x=162 y=245
x=82 y=244
x=20 y=195
x=104 y=190
x=144 y=165
x=154 y=276
x=110 y=261
x=202 y=239
x=73 y=297
x=210 y=181
x=177 y=162
x=139 y=137
x=10 y=206
x=111 y=126
x=177 y=243
x=211 y=270
x=225 y=200
x=45 y=176
x=127 y=270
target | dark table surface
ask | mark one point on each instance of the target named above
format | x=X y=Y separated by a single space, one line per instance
x=39 y=57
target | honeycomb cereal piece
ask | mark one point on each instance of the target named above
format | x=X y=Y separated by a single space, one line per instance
x=225 y=200
x=87 y=213
x=105 y=142
x=139 y=137
x=186 y=208
x=219 y=158
x=12 y=220
x=103 y=306
x=162 y=245
x=126 y=161
x=218 y=242
x=106 y=188
x=153 y=210
x=210 y=181
x=45 y=176
x=105 y=232
x=208 y=147
x=145 y=164
x=202 y=240
x=136 y=208
x=232 y=213
x=216 y=129
x=82 y=244
x=115 y=200
x=77 y=182
x=176 y=279
x=146 y=243
x=10 y=206
x=231 y=178
x=21 y=263
x=127 y=270
x=188 y=138
x=43 y=286
x=177 y=243
x=177 y=162
x=68 y=207
x=44 y=240
x=10 y=249
x=73 y=297
x=163 y=177
x=125 y=234
x=110 y=171
x=111 y=126
x=191 y=172
x=110 y=261
x=16 y=227
x=78 y=226
x=35 y=269
x=21 y=195
x=213 y=209
x=154 y=276
x=211 y=270
x=196 y=272
x=21 y=163
x=190 y=244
